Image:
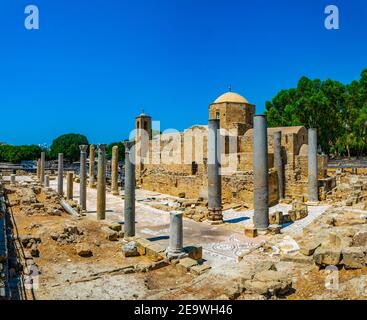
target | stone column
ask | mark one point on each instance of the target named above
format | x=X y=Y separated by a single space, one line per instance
x=39 y=169
x=278 y=162
x=115 y=171
x=92 y=174
x=83 y=177
x=261 y=174
x=70 y=186
x=129 y=208
x=313 y=191
x=175 y=234
x=214 y=174
x=12 y=179
x=60 y=175
x=43 y=165
x=101 y=183
x=47 y=181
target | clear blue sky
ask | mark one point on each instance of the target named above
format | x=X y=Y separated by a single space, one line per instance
x=95 y=64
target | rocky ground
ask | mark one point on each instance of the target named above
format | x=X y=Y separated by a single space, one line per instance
x=70 y=257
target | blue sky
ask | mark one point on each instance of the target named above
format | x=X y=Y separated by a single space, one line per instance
x=95 y=64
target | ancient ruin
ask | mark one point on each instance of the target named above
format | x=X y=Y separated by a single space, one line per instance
x=159 y=171
x=229 y=210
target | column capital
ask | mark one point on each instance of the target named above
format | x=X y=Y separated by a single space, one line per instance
x=83 y=148
x=128 y=144
x=102 y=147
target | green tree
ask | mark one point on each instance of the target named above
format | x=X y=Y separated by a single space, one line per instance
x=121 y=150
x=338 y=111
x=68 y=144
x=16 y=154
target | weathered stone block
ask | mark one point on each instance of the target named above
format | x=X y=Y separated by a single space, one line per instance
x=250 y=232
x=115 y=226
x=83 y=250
x=301 y=214
x=308 y=247
x=292 y=215
x=233 y=292
x=186 y=264
x=130 y=249
x=200 y=269
x=155 y=252
x=360 y=239
x=142 y=244
x=327 y=256
x=194 y=252
x=354 y=258
x=110 y=234
x=276 y=217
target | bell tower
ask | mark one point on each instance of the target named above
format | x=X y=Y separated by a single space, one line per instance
x=143 y=136
x=143 y=126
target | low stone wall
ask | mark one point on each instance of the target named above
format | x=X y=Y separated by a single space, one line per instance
x=236 y=188
x=4 y=292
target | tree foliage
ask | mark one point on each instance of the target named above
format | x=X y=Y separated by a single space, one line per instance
x=68 y=144
x=121 y=150
x=16 y=154
x=338 y=111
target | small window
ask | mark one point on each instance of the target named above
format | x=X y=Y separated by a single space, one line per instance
x=194 y=168
x=217 y=115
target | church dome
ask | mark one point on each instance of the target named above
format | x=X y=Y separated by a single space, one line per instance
x=231 y=97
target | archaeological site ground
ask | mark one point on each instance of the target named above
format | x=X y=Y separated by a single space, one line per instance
x=198 y=153
x=277 y=223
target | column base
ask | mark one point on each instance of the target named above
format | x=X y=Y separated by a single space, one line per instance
x=215 y=222
x=175 y=254
x=215 y=216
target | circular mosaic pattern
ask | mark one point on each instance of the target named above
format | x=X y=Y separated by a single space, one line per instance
x=223 y=246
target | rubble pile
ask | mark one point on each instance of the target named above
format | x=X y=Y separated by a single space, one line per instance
x=70 y=234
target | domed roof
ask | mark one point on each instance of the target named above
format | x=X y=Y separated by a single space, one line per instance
x=231 y=97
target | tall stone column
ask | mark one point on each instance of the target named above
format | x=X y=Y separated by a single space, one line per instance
x=278 y=162
x=214 y=174
x=261 y=174
x=313 y=192
x=43 y=167
x=83 y=177
x=60 y=175
x=129 y=208
x=115 y=171
x=175 y=234
x=39 y=169
x=92 y=174
x=101 y=183
x=70 y=186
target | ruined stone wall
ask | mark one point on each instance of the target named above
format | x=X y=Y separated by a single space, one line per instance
x=239 y=188
x=161 y=175
x=302 y=166
x=236 y=188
